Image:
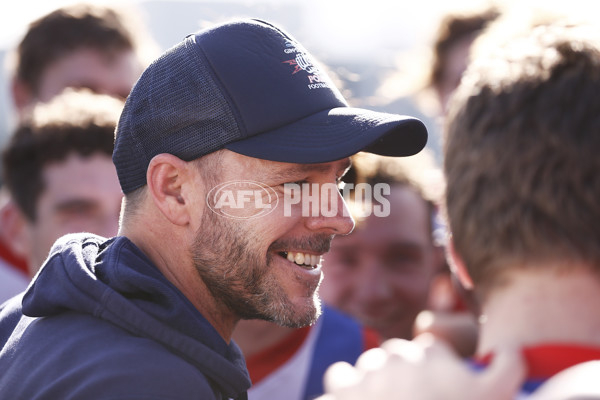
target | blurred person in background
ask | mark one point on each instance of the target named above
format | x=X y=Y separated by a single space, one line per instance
x=14 y=275
x=522 y=204
x=381 y=272
x=290 y=362
x=101 y=48
x=439 y=74
x=83 y=45
x=454 y=37
x=58 y=169
x=392 y=267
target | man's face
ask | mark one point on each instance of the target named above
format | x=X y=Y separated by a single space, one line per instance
x=80 y=195
x=88 y=68
x=380 y=274
x=245 y=262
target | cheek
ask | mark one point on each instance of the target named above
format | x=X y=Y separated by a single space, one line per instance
x=43 y=235
x=47 y=227
x=263 y=232
x=337 y=286
x=410 y=288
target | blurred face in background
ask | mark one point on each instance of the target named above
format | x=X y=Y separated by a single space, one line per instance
x=81 y=194
x=380 y=274
x=112 y=74
x=456 y=61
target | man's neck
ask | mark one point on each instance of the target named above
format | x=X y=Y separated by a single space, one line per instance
x=542 y=305
x=169 y=255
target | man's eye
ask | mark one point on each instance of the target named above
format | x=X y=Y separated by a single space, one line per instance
x=295 y=183
x=76 y=208
x=406 y=260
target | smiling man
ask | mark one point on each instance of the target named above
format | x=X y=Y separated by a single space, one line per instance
x=150 y=313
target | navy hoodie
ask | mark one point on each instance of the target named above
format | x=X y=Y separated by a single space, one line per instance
x=100 y=321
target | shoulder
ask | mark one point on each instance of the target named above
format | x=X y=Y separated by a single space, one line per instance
x=133 y=376
x=86 y=357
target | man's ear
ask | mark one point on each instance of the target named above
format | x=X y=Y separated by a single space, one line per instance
x=14 y=230
x=167 y=177
x=21 y=94
x=457 y=266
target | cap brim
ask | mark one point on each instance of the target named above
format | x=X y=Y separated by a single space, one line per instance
x=335 y=134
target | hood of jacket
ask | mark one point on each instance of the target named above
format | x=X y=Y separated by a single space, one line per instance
x=114 y=280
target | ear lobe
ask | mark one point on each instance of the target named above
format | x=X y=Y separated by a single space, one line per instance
x=457 y=266
x=167 y=176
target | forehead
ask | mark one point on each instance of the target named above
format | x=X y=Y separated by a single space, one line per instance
x=92 y=176
x=240 y=164
x=106 y=73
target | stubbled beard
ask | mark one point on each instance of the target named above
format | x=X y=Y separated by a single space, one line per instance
x=240 y=278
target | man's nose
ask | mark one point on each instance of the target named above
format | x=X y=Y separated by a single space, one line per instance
x=333 y=216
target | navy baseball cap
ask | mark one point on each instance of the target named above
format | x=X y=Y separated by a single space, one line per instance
x=249 y=87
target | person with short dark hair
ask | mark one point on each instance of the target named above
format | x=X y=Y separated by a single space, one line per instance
x=58 y=169
x=97 y=47
x=522 y=166
x=425 y=82
x=82 y=45
x=382 y=272
x=453 y=39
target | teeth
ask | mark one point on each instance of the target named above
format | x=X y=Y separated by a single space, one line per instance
x=315 y=260
x=307 y=259
x=303 y=258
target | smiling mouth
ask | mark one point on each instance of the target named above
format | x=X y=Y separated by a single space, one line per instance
x=305 y=260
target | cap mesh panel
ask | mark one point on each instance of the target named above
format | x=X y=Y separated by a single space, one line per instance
x=176 y=107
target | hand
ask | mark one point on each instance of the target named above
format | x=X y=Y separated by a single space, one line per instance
x=423 y=369
x=459 y=329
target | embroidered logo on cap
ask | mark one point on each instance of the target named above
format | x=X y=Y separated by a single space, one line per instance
x=303 y=62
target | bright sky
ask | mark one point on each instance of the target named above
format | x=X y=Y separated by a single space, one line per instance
x=15 y=15
x=337 y=21
x=367 y=31
x=371 y=31
x=340 y=24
